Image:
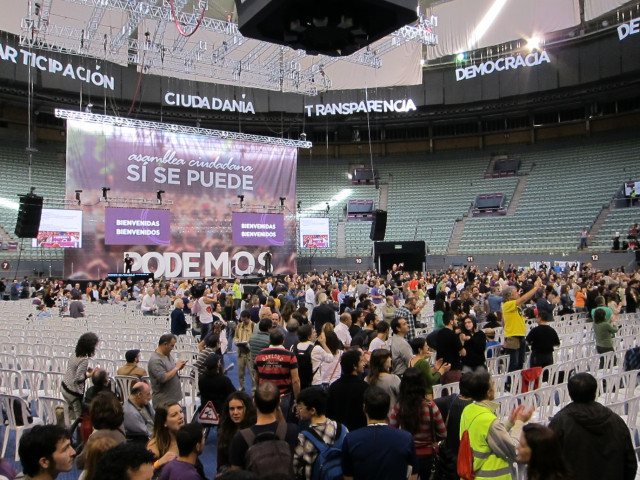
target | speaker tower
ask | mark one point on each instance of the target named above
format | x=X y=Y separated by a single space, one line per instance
x=29 y=216
x=379 y=225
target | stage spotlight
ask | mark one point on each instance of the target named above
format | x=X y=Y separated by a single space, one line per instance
x=534 y=43
x=78 y=192
x=88 y=108
x=282 y=199
x=303 y=137
x=460 y=57
x=104 y=192
x=159 y=196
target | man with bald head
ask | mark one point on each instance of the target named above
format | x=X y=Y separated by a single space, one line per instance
x=138 y=413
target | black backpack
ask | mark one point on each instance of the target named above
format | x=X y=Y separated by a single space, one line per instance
x=268 y=452
x=305 y=368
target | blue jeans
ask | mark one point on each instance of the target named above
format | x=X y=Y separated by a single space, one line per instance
x=516 y=355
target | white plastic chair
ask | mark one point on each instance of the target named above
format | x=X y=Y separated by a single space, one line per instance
x=9 y=403
x=47 y=410
x=190 y=400
x=125 y=383
x=11 y=383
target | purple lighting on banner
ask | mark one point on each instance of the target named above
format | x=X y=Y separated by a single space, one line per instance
x=136 y=226
x=258 y=229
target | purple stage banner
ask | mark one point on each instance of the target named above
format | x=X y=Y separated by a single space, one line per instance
x=136 y=226
x=258 y=229
x=200 y=178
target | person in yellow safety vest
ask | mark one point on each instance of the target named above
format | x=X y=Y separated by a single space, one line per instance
x=492 y=442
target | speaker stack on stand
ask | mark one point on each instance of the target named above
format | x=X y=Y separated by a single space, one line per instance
x=29 y=216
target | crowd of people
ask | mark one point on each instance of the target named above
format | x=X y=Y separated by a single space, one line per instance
x=336 y=362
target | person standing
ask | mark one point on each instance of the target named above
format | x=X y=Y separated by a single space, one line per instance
x=401 y=352
x=584 y=235
x=267 y=262
x=344 y=404
x=164 y=372
x=542 y=339
x=378 y=451
x=278 y=365
x=595 y=441
x=77 y=373
x=190 y=440
x=450 y=349
x=242 y=336
x=492 y=442
x=515 y=328
x=312 y=405
x=409 y=312
x=179 y=324
x=128 y=263
x=420 y=417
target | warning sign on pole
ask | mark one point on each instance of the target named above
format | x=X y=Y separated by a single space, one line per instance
x=208 y=415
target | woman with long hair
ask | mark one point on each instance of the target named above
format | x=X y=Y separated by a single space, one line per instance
x=540 y=450
x=420 y=417
x=168 y=420
x=565 y=300
x=604 y=331
x=325 y=358
x=78 y=371
x=438 y=311
x=238 y=412
x=95 y=450
x=379 y=376
x=419 y=360
x=475 y=346
x=286 y=311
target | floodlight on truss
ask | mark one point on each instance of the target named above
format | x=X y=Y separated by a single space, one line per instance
x=167 y=127
x=266 y=66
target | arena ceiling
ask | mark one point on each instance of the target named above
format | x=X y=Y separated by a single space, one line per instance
x=199 y=39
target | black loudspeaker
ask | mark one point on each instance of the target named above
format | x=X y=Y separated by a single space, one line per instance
x=378 y=226
x=329 y=27
x=29 y=216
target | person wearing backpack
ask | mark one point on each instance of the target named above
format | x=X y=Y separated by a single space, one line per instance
x=318 y=455
x=302 y=351
x=267 y=447
x=487 y=446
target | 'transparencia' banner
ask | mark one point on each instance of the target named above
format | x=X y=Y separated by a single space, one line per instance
x=199 y=179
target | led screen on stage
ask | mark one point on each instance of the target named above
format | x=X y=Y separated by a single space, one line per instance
x=258 y=229
x=59 y=228
x=136 y=226
x=314 y=232
x=200 y=179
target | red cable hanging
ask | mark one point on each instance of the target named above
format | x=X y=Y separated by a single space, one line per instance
x=175 y=20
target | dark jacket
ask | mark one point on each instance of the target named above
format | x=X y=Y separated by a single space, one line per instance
x=344 y=403
x=595 y=441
